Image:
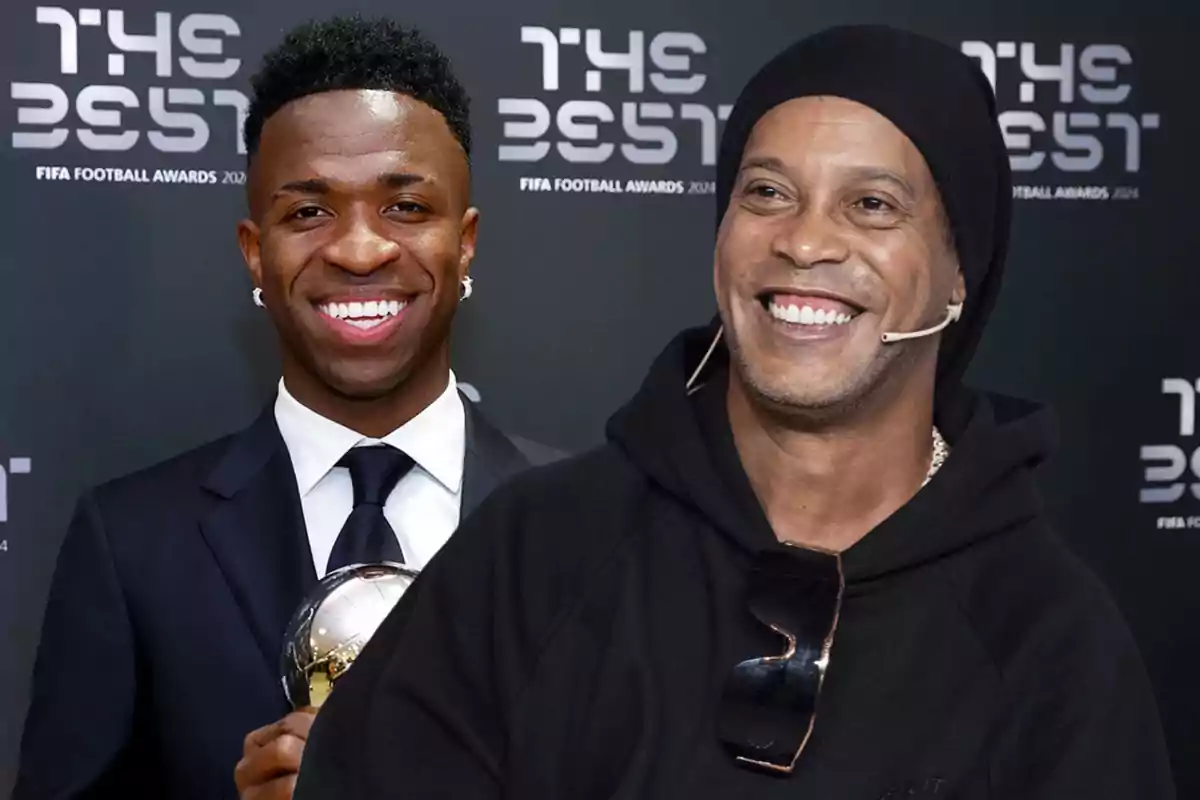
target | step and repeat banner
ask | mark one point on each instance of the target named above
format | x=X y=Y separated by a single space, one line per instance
x=129 y=333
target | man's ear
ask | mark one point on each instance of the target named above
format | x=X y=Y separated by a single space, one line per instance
x=959 y=295
x=468 y=233
x=250 y=244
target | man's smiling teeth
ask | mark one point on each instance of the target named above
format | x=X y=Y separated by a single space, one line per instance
x=363 y=315
x=806 y=315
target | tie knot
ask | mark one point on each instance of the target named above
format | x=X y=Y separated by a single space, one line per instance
x=375 y=471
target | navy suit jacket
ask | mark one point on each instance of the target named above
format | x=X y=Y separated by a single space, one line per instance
x=161 y=643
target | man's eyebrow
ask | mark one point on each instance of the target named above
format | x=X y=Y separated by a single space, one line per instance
x=306 y=186
x=394 y=180
x=865 y=173
x=763 y=162
x=398 y=180
x=886 y=175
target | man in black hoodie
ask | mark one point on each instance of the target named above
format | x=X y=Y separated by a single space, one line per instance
x=808 y=563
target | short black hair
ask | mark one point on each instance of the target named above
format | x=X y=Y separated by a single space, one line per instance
x=350 y=52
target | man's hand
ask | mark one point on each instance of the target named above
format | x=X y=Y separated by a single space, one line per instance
x=271 y=758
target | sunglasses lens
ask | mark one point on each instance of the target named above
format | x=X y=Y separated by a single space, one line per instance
x=769 y=703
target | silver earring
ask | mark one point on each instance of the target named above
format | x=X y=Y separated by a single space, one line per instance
x=468 y=287
x=257 y=295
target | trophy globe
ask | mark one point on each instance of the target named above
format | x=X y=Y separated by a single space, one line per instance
x=334 y=623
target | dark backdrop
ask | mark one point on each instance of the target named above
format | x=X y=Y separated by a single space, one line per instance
x=128 y=333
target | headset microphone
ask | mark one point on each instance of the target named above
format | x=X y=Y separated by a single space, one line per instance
x=953 y=314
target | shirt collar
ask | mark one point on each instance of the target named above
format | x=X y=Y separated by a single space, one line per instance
x=435 y=438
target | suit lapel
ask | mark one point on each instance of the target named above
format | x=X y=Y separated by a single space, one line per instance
x=256 y=532
x=490 y=459
x=255 y=527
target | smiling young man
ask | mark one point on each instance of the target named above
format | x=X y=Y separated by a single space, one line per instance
x=159 y=662
x=808 y=562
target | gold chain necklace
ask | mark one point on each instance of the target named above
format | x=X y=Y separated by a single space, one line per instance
x=941 y=451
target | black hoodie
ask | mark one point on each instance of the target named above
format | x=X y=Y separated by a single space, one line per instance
x=572 y=639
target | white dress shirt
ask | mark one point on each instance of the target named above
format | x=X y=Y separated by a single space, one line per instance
x=424 y=507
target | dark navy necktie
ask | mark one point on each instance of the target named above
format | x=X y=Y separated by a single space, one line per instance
x=367 y=538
